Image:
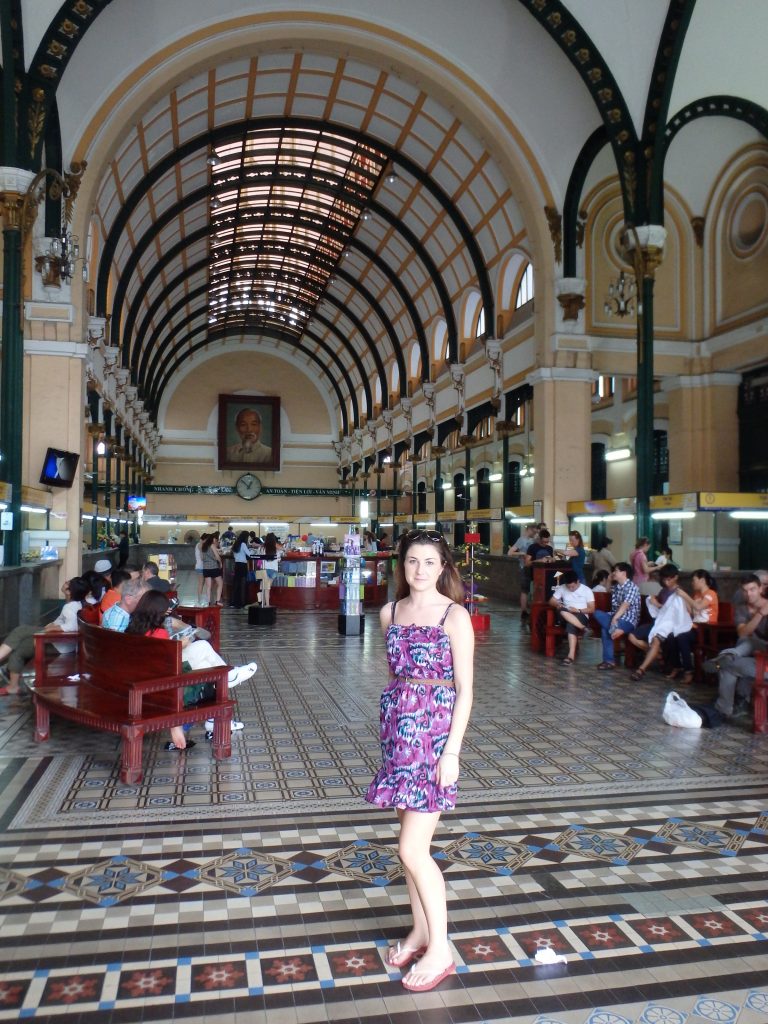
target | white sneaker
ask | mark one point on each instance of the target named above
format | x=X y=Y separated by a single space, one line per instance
x=241 y=673
x=236 y=726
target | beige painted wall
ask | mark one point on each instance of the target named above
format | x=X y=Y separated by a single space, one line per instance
x=703 y=439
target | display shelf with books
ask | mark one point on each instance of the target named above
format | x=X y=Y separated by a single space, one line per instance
x=351 y=587
x=308 y=582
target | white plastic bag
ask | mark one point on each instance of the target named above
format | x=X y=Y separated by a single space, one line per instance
x=676 y=712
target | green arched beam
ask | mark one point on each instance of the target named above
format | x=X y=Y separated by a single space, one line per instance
x=596 y=141
x=657 y=107
x=565 y=30
x=718 y=106
x=53 y=54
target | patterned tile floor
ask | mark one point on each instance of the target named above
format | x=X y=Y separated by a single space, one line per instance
x=264 y=889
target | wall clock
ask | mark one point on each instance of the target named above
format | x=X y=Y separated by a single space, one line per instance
x=248 y=486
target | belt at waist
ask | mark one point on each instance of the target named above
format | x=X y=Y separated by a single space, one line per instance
x=424 y=682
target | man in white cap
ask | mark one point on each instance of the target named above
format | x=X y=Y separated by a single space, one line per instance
x=103 y=567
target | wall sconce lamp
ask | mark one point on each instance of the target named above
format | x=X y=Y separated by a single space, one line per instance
x=494 y=477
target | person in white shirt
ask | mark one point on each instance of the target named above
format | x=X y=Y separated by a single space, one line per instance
x=575 y=602
x=601 y=582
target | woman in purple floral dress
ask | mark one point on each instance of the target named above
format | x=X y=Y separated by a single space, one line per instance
x=424 y=714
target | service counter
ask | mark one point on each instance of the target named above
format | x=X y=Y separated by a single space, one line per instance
x=306 y=582
x=28 y=593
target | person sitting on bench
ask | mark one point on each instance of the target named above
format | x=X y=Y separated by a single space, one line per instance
x=574 y=602
x=19 y=646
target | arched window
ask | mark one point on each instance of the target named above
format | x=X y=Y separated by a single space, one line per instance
x=440 y=340
x=377 y=392
x=422 y=498
x=395 y=379
x=414 y=367
x=473 y=306
x=480 y=329
x=525 y=288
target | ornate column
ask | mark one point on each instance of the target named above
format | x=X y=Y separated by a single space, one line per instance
x=14 y=183
x=562 y=424
x=644 y=248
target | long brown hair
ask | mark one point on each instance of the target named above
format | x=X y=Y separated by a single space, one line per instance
x=449 y=583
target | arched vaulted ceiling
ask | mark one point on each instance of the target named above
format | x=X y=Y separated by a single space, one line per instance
x=324 y=203
x=326 y=198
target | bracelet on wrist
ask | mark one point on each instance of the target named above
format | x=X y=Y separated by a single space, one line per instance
x=449 y=753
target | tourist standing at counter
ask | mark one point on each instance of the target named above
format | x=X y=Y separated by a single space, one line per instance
x=270 y=564
x=424 y=714
x=240 y=558
x=212 y=570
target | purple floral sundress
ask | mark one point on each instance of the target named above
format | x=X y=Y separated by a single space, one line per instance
x=415 y=719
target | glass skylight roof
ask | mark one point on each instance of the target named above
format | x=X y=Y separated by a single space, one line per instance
x=284 y=203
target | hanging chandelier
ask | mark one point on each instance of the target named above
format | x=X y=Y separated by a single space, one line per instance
x=622 y=296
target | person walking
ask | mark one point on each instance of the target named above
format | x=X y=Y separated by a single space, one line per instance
x=424 y=714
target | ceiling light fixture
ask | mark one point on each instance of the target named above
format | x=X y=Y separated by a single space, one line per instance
x=672 y=515
x=617 y=454
x=622 y=295
x=744 y=513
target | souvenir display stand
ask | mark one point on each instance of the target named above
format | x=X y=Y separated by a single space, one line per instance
x=351 y=617
x=481 y=621
x=307 y=582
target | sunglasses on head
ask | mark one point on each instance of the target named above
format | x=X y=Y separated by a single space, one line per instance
x=431 y=535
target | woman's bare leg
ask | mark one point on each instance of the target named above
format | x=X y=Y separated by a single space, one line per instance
x=426 y=888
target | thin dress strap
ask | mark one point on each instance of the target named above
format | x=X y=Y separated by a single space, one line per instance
x=394 y=605
x=445 y=615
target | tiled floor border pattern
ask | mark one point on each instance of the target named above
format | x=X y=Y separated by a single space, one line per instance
x=189 y=979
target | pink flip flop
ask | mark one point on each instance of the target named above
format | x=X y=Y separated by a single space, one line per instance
x=427 y=986
x=402 y=956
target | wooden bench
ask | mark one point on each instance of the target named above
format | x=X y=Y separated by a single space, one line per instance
x=127 y=684
x=760 y=692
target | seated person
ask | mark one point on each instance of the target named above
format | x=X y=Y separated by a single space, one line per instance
x=575 y=603
x=601 y=582
x=624 y=615
x=198 y=654
x=671 y=618
x=114 y=593
x=149 y=619
x=703 y=607
x=736 y=665
x=119 y=615
x=149 y=569
x=19 y=646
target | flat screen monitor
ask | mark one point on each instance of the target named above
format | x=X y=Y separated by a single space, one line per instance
x=59 y=468
x=136 y=503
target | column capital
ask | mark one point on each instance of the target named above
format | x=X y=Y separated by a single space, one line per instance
x=644 y=247
x=574 y=375
x=701 y=380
